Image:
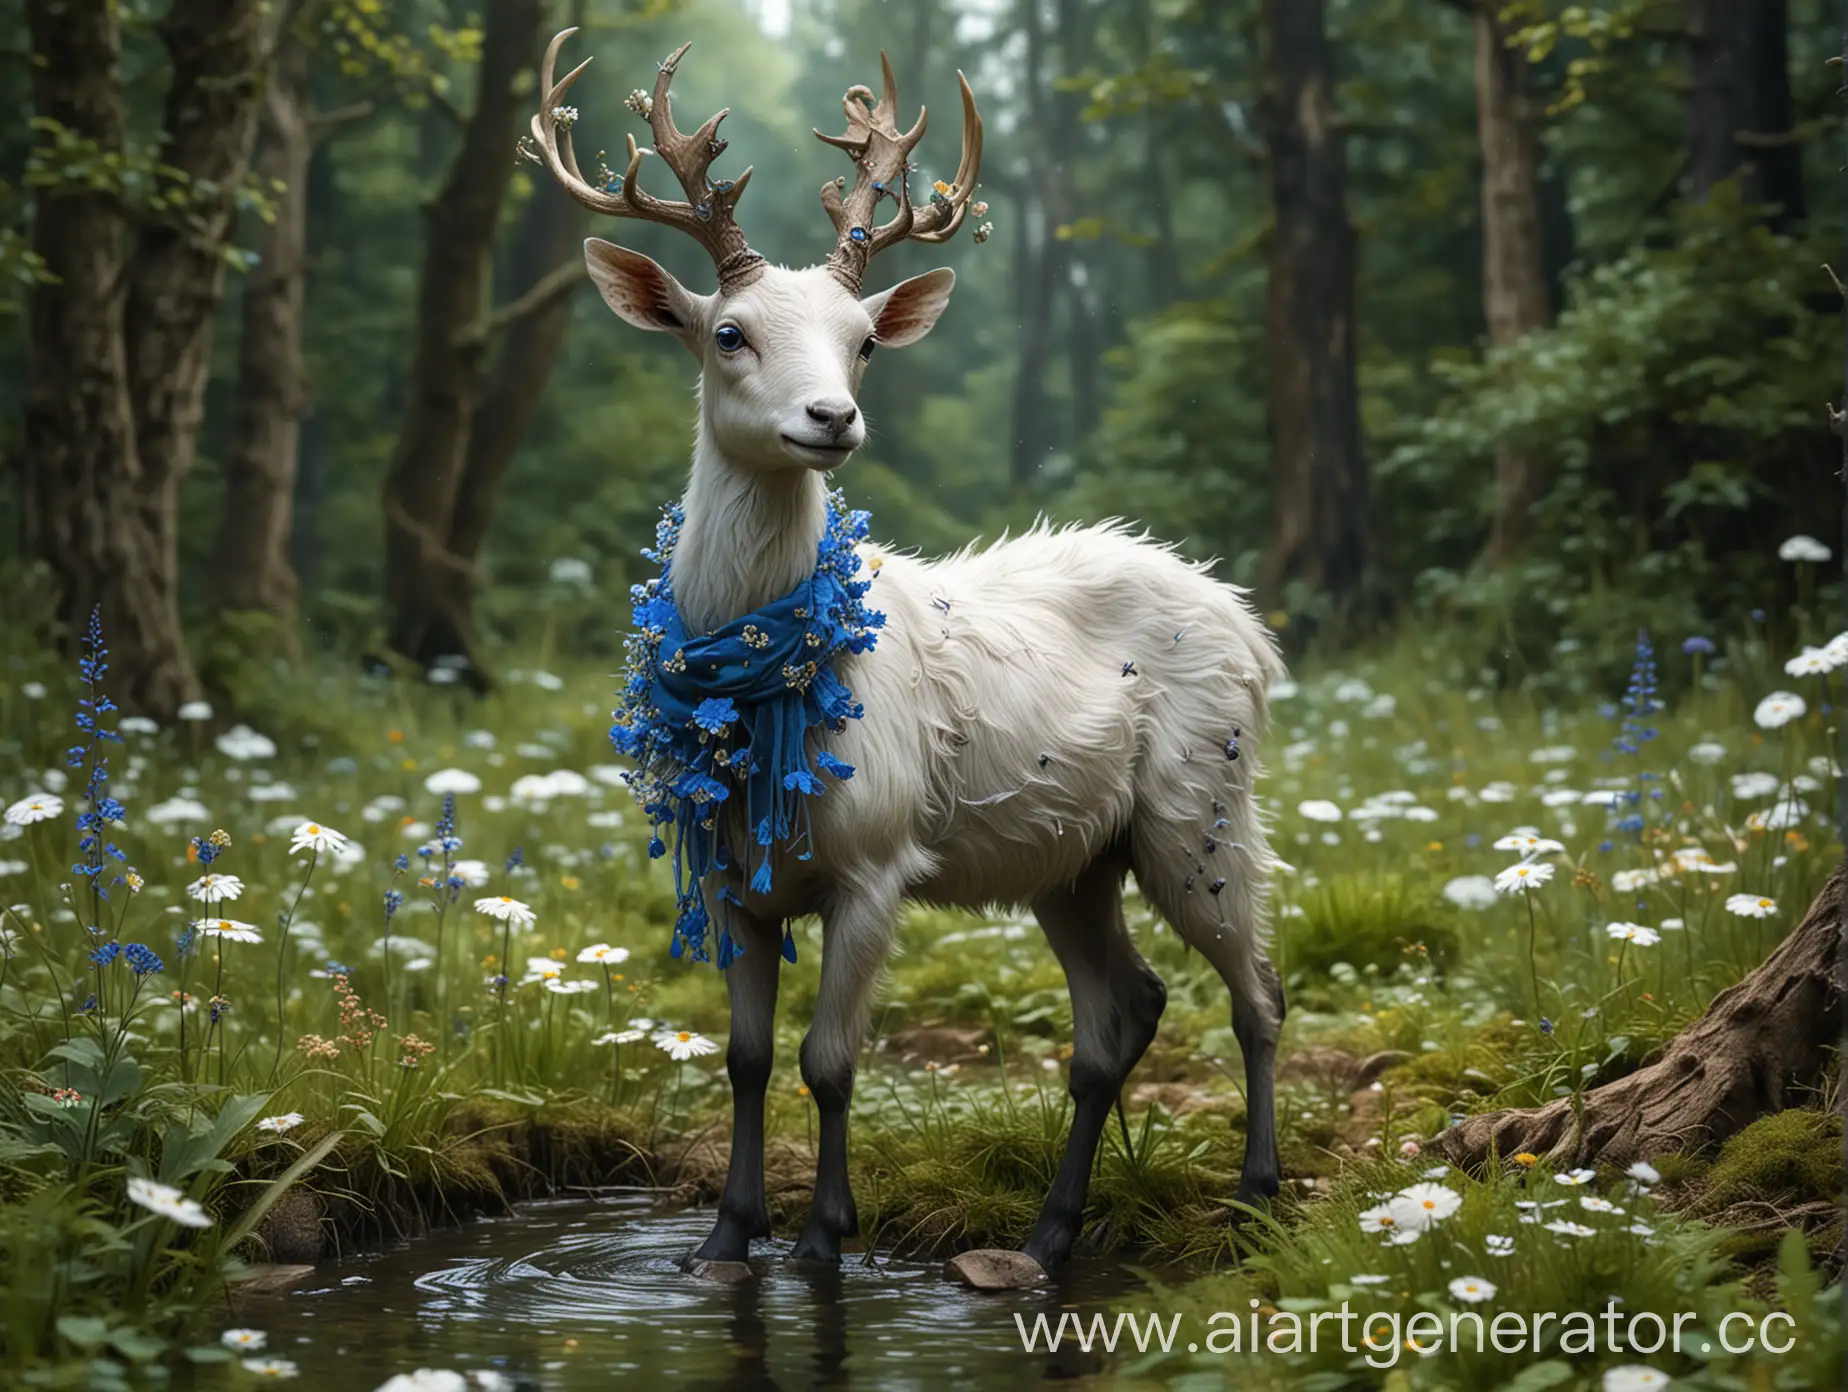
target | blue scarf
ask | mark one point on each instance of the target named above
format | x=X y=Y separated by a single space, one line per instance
x=708 y=716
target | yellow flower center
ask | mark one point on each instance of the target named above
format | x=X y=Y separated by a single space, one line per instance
x=683 y=1036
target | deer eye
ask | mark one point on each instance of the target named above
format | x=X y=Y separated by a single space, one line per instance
x=866 y=349
x=729 y=337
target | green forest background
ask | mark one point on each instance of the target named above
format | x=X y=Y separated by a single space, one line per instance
x=1581 y=242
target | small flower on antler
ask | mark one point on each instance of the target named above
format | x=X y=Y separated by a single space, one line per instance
x=640 y=103
x=565 y=115
x=979 y=209
x=982 y=233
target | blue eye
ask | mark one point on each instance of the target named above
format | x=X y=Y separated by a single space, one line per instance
x=730 y=338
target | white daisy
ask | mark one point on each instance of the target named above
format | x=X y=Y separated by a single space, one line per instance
x=229 y=930
x=569 y=988
x=1381 y=1218
x=1566 y=1228
x=504 y=910
x=426 y=1380
x=276 y=1368
x=1750 y=905
x=1470 y=891
x=604 y=954
x=681 y=1045
x=1591 y=1203
x=241 y=742
x=1778 y=709
x=276 y=1125
x=1644 y=1173
x=1498 y=1245
x=1473 y=1289
x=1813 y=662
x=1368 y=1279
x=1529 y=844
x=1633 y=933
x=1629 y=881
x=628 y=1036
x=1575 y=1177
x=452 y=780
x=1803 y=548
x=1427 y=1204
x=1519 y=879
x=215 y=889
x=1319 y=810
x=194 y=710
x=34 y=807
x=312 y=836
x=244 y=1340
x=168 y=1202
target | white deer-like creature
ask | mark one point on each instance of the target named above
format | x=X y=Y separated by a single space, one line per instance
x=1040 y=718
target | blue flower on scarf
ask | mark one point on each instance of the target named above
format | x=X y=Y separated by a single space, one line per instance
x=715 y=714
x=710 y=718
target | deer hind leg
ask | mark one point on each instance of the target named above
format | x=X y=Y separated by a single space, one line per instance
x=1214 y=899
x=856 y=939
x=751 y=982
x=1117 y=1000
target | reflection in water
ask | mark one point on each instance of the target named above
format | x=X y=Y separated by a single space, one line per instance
x=574 y=1294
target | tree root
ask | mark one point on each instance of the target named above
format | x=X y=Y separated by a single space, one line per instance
x=1759 y=1042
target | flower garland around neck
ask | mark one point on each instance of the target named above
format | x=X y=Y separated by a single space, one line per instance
x=713 y=717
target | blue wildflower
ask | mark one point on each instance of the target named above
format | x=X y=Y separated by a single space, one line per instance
x=401 y=864
x=394 y=900
x=106 y=954
x=1546 y=1025
x=1697 y=645
x=515 y=859
x=141 y=960
x=715 y=714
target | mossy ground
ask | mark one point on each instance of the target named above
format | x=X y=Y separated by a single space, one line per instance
x=1415 y=991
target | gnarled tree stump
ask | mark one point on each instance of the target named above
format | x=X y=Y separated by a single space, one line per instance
x=1760 y=1041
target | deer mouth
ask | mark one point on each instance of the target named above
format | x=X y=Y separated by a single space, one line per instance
x=817 y=453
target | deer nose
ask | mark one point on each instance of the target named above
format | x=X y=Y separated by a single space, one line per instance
x=833 y=415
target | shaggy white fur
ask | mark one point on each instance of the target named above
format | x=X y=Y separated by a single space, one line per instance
x=1042 y=716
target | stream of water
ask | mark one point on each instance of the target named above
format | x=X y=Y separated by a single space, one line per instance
x=585 y=1293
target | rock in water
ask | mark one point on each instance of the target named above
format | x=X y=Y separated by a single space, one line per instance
x=728 y=1273
x=995 y=1269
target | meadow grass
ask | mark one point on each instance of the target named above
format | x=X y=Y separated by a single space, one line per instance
x=402 y=1057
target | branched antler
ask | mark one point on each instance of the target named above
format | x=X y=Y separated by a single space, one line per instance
x=707 y=215
x=882 y=162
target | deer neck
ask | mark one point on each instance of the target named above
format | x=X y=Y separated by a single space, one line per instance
x=748 y=537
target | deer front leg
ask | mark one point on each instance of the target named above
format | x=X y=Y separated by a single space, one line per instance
x=856 y=936
x=751 y=981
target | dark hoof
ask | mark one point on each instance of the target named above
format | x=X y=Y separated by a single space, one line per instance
x=806 y=1264
x=726 y=1273
x=991 y=1269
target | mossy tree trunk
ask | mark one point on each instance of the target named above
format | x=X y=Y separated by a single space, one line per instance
x=1760 y=1044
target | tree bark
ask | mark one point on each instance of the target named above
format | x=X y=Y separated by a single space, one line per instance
x=1739 y=108
x=427 y=586
x=547 y=263
x=119 y=340
x=1514 y=280
x=1759 y=1043
x=1036 y=264
x=252 y=570
x=1319 y=472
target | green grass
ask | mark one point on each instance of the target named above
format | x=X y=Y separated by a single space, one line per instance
x=961 y=1109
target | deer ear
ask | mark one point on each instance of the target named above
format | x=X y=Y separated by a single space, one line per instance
x=906 y=312
x=640 y=291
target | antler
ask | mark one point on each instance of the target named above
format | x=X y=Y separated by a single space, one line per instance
x=882 y=162
x=706 y=215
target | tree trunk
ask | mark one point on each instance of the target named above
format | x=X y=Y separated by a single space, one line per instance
x=1514 y=285
x=1760 y=1043
x=1319 y=472
x=1036 y=264
x=426 y=585
x=547 y=263
x=1739 y=109
x=120 y=340
x=253 y=570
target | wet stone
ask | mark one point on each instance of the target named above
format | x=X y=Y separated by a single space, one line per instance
x=995 y=1269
